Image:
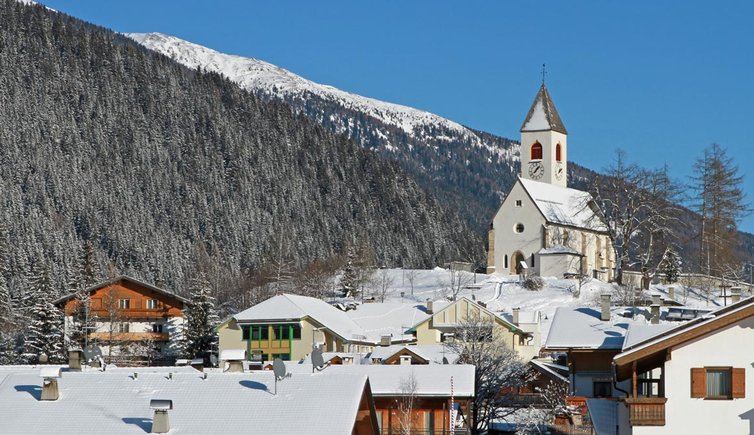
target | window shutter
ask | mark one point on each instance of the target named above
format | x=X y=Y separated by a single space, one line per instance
x=739 y=383
x=698 y=383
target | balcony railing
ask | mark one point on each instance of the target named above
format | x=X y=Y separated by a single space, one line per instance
x=130 y=336
x=646 y=411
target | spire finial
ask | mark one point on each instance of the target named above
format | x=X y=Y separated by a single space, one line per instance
x=544 y=72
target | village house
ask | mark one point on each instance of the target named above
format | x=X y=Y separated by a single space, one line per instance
x=125 y=311
x=691 y=378
x=521 y=333
x=288 y=326
x=119 y=401
x=543 y=227
x=427 y=399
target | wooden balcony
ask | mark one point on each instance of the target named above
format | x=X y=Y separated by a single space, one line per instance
x=130 y=336
x=646 y=411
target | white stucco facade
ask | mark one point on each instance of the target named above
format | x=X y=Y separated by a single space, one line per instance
x=732 y=346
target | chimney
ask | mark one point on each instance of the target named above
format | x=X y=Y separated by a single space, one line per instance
x=735 y=294
x=50 y=376
x=405 y=360
x=198 y=364
x=75 y=356
x=605 y=305
x=656 y=300
x=385 y=340
x=655 y=310
x=347 y=360
x=160 y=421
x=429 y=307
x=671 y=293
x=515 y=316
x=234 y=358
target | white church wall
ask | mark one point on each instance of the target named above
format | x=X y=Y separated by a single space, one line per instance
x=507 y=240
x=558 y=264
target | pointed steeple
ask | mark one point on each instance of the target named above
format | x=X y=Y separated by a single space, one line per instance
x=543 y=116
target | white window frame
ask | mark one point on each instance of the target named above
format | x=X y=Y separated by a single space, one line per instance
x=124 y=304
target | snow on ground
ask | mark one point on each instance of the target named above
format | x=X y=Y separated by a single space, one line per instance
x=503 y=293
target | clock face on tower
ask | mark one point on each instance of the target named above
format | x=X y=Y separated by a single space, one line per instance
x=559 y=172
x=536 y=170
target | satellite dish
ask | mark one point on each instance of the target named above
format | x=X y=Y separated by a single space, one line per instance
x=278 y=367
x=317 y=359
x=213 y=359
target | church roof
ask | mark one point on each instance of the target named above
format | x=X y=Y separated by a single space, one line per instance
x=563 y=205
x=543 y=115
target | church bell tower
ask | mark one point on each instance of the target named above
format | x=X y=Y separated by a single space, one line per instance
x=544 y=147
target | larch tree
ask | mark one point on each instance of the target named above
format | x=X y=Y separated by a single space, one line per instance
x=721 y=203
x=201 y=320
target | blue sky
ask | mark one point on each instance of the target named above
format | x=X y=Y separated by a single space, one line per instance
x=660 y=79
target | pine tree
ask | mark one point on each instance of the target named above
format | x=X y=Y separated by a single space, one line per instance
x=45 y=332
x=6 y=307
x=349 y=279
x=201 y=319
x=87 y=266
x=670 y=265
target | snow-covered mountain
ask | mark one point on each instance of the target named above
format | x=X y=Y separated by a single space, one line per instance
x=468 y=170
x=264 y=78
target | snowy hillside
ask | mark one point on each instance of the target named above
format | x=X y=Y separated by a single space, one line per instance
x=259 y=76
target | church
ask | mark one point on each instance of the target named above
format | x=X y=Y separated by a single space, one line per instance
x=543 y=227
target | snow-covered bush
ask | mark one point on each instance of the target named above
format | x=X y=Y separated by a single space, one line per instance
x=534 y=283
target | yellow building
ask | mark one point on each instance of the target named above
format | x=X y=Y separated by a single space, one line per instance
x=439 y=327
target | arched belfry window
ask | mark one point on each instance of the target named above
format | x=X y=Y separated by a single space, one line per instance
x=558 y=155
x=536 y=151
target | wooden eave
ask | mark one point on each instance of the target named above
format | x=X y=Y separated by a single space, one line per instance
x=664 y=343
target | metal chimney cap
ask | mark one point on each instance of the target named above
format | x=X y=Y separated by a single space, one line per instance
x=50 y=372
x=161 y=404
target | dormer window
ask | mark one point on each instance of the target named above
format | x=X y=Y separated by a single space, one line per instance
x=536 y=151
x=558 y=153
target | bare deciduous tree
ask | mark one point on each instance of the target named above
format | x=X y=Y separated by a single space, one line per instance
x=498 y=369
x=408 y=388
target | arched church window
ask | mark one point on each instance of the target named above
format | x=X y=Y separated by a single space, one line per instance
x=558 y=155
x=532 y=260
x=519 y=228
x=506 y=261
x=536 y=151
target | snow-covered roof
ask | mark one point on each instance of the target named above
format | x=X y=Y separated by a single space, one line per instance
x=118 y=403
x=434 y=353
x=388 y=318
x=604 y=415
x=640 y=332
x=529 y=317
x=431 y=380
x=553 y=369
x=563 y=205
x=543 y=115
x=558 y=249
x=485 y=310
x=287 y=307
x=128 y=279
x=581 y=328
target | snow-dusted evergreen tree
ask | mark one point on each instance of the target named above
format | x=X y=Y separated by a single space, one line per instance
x=201 y=318
x=6 y=307
x=670 y=265
x=45 y=331
x=348 y=281
x=88 y=272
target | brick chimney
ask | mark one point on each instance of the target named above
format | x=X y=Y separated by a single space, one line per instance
x=605 y=307
x=516 y=313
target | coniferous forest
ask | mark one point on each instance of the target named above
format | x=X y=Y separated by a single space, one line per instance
x=158 y=168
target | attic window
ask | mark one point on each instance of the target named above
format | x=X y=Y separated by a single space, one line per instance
x=519 y=228
x=519 y=203
x=536 y=151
